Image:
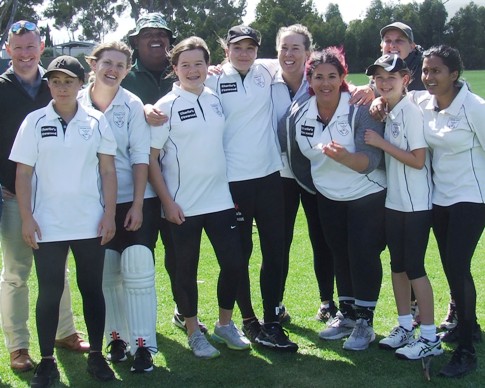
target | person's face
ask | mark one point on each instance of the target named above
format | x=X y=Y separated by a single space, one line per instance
x=437 y=78
x=325 y=82
x=390 y=85
x=64 y=88
x=395 y=42
x=25 y=51
x=152 y=45
x=191 y=70
x=242 y=54
x=111 y=68
x=292 y=54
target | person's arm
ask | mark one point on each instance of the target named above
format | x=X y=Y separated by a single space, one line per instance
x=134 y=217
x=107 y=226
x=173 y=212
x=154 y=116
x=23 y=188
x=357 y=161
x=361 y=95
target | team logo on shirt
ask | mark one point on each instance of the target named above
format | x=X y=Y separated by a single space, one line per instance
x=395 y=130
x=229 y=87
x=259 y=80
x=187 y=114
x=217 y=109
x=343 y=128
x=48 y=131
x=307 y=130
x=119 y=119
x=86 y=132
x=453 y=122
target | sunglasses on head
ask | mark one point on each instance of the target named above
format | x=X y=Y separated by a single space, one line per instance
x=29 y=26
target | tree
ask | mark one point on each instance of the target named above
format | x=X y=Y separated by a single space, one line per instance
x=430 y=27
x=12 y=10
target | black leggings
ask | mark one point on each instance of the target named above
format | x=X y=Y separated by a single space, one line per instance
x=261 y=199
x=322 y=256
x=458 y=229
x=221 y=229
x=50 y=266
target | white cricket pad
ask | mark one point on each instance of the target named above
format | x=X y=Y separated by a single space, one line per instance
x=138 y=270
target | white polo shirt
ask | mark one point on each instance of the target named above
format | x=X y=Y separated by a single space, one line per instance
x=67 y=198
x=132 y=133
x=192 y=157
x=408 y=189
x=331 y=178
x=456 y=137
x=250 y=139
x=282 y=102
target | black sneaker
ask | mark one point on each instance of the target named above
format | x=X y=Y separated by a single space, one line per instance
x=179 y=321
x=98 y=367
x=116 y=351
x=273 y=336
x=142 y=361
x=45 y=374
x=462 y=362
x=451 y=319
x=283 y=315
x=251 y=329
x=326 y=314
x=451 y=336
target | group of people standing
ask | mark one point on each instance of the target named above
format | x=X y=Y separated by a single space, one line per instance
x=154 y=145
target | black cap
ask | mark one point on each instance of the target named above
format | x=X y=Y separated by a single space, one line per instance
x=404 y=28
x=391 y=63
x=237 y=33
x=67 y=65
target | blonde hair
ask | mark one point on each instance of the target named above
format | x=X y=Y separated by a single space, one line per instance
x=98 y=51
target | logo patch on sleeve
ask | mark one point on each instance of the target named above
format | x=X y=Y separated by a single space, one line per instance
x=187 y=114
x=48 y=131
x=230 y=87
x=307 y=131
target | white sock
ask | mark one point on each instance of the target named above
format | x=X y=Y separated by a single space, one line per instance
x=406 y=321
x=428 y=332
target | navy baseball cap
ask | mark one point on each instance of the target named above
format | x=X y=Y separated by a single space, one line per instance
x=238 y=33
x=391 y=63
x=404 y=28
x=67 y=65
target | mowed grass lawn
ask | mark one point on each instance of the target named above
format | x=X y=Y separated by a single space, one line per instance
x=317 y=364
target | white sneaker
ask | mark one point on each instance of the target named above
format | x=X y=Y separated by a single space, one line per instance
x=231 y=336
x=201 y=347
x=398 y=338
x=361 y=336
x=337 y=328
x=420 y=349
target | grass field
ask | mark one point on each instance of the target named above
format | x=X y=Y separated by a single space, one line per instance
x=317 y=364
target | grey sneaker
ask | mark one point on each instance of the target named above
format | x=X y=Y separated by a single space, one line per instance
x=337 y=328
x=398 y=338
x=451 y=319
x=420 y=349
x=201 y=347
x=361 y=336
x=231 y=336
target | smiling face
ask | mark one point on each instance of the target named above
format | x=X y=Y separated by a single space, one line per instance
x=25 y=51
x=191 y=70
x=242 y=54
x=390 y=85
x=437 y=78
x=152 y=45
x=325 y=82
x=111 y=67
x=395 y=42
x=292 y=54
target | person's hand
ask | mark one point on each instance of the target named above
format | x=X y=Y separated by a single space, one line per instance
x=30 y=228
x=361 y=95
x=7 y=194
x=154 y=116
x=134 y=218
x=106 y=228
x=214 y=70
x=373 y=138
x=173 y=213
x=335 y=151
x=378 y=109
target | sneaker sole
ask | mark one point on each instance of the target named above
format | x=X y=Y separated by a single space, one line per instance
x=114 y=361
x=270 y=345
x=390 y=347
x=112 y=377
x=230 y=345
x=208 y=357
x=404 y=357
x=134 y=370
x=366 y=346
x=336 y=336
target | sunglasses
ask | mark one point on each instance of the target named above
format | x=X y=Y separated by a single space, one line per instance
x=29 y=26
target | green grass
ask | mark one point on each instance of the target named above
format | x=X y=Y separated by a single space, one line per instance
x=317 y=363
x=476 y=78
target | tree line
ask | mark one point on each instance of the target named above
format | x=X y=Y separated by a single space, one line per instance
x=210 y=19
